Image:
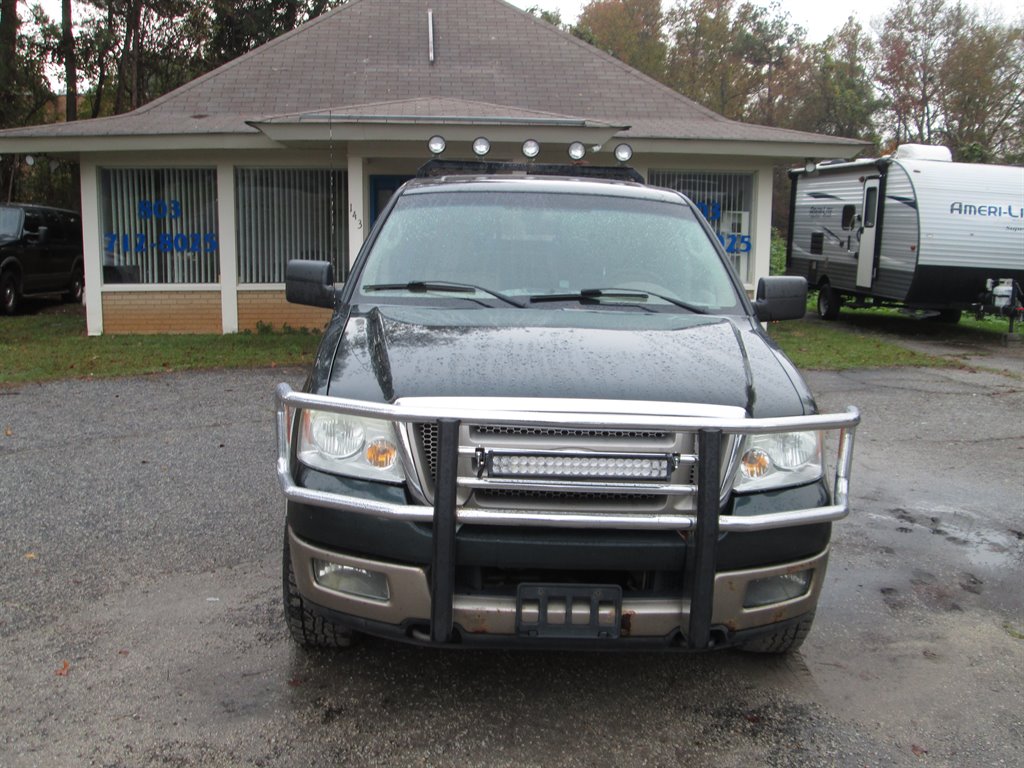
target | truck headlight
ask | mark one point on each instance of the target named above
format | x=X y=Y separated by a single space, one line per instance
x=779 y=460
x=350 y=445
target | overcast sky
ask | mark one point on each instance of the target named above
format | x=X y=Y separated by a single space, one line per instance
x=819 y=18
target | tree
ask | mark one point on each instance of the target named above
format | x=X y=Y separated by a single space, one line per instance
x=551 y=17
x=70 y=56
x=907 y=71
x=630 y=30
x=767 y=47
x=701 y=61
x=947 y=75
x=839 y=97
x=24 y=90
x=238 y=26
x=982 y=87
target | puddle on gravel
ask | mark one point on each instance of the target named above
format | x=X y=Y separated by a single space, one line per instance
x=982 y=547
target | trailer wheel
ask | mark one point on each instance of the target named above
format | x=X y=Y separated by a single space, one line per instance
x=828 y=302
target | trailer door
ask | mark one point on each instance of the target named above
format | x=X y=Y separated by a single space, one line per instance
x=869 y=218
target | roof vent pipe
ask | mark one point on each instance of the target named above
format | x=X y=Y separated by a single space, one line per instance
x=430 y=34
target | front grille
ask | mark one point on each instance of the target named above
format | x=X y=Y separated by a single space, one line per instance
x=560 y=438
x=565 y=500
x=426 y=435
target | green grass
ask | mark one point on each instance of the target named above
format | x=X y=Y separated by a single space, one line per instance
x=879 y=338
x=818 y=345
x=53 y=345
x=894 y=321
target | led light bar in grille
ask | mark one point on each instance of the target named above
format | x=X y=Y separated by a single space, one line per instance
x=577 y=466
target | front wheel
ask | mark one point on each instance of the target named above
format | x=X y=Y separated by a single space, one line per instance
x=308 y=628
x=784 y=640
x=828 y=302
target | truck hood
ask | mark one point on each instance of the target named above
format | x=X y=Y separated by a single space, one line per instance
x=407 y=351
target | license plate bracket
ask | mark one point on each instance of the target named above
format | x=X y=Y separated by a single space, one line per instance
x=581 y=611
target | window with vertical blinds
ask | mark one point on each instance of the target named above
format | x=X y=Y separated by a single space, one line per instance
x=159 y=225
x=289 y=213
x=726 y=200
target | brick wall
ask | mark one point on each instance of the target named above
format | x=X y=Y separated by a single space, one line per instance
x=162 y=312
x=271 y=307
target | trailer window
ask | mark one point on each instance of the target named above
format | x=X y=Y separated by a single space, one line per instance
x=849 y=211
x=870 y=204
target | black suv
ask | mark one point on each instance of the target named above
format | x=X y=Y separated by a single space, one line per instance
x=545 y=413
x=40 y=252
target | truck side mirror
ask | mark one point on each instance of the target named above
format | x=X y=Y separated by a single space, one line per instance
x=310 y=282
x=781 y=298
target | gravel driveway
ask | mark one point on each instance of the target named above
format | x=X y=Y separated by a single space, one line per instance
x=140 y=624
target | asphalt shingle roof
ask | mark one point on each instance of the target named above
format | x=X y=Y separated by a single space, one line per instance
x=491 y=60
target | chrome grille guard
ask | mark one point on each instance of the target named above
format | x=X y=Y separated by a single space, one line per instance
x=717 y=425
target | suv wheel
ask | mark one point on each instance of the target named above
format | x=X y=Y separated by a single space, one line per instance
x=308 y=628
x=785 y=640
x=76 y=288
x=10 y=293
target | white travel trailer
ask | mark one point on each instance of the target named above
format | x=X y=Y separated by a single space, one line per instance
x=912 y=229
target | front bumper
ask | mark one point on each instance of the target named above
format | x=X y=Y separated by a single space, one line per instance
x=425 y=599
x=660 y=620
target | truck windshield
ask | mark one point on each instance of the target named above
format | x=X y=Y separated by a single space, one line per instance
x=10 y=223
x=548 y=244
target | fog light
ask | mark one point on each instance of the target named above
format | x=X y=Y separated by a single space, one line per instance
x=351 y=580
x=623 y=153
x=531 y=148
x=777 y=589
x=577 y=150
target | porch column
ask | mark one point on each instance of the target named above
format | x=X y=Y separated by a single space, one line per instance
x=357 y=217
x=92 y=255
x=761 y=227
x=228 y=251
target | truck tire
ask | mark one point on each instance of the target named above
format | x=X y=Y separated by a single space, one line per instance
x=785 y=640
x=308 y=628
x=10 y=293
x=828 y=302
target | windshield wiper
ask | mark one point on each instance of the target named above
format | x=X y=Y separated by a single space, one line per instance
x=596 y=294
x=443 y=286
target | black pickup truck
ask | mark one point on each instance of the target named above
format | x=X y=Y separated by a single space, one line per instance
x=545 y=414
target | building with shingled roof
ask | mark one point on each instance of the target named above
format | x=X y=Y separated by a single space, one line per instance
x=193 y=204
